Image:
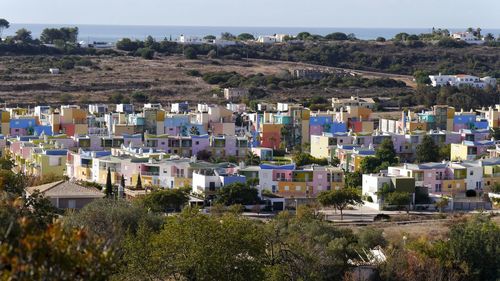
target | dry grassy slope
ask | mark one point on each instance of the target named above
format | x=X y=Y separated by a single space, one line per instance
x=25 y=82
x=430 y=230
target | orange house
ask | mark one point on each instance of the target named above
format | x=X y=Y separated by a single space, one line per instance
x=270 y=135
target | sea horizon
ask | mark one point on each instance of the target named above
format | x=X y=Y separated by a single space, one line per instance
x=113 y=33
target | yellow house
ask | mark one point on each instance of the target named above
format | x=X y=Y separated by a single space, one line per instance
x=417 y=126
x=462 y=151
x=48 y=162
x=295 y=189
x=83 y=173
x=5 y=127
x=121 y=129
x=320 y=146
x=454 y=186
x=491 y=175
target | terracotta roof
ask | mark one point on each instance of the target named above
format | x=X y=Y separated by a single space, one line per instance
x=66 y=189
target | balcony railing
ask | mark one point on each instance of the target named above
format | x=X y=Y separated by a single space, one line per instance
x=292 y=180
x=150 y=173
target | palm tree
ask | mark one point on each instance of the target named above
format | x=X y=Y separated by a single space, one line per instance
x=194 y=131
x=252 y=159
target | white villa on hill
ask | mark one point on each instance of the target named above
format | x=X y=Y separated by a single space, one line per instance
x=462 y=80
x=467 y=37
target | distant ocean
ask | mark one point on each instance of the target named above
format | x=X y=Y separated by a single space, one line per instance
x=112 y=33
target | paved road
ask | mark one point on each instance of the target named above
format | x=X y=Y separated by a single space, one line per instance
x=363 y=213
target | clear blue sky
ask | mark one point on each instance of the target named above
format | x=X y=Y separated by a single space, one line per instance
x=293 y=13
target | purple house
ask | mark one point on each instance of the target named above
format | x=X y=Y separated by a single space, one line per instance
x=200 y=143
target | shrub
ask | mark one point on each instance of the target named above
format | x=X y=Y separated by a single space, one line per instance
x=471 y=193
x=67 y=63
x=451 y=43
x=370 y=237
x=382 y=217
x=193 y=72
x=146 y=53
x=139 y=97
x=190 y=53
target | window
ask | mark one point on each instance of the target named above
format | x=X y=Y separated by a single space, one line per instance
x=287 y=188
x=471 y=173
x=72 y=204
x=298 y=188
x=211 y=186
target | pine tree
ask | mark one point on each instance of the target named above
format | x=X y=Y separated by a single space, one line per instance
x=386 y=153
x=109 y=186
x=427 y=151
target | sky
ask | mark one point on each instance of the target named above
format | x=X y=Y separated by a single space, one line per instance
x=279 y=13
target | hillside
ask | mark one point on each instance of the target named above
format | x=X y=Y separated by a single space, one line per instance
x=25 y=80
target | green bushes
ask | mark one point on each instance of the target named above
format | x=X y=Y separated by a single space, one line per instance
x=190 y=53
x=470 y=193
x=193 y=72
x=145 y=53
x=451 y=43
x=233 y=79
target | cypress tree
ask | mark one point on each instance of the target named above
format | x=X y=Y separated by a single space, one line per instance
x=122 y=181
x=139 y=183
x=109 y=186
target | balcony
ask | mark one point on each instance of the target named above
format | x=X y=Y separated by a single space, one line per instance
x=292 y=180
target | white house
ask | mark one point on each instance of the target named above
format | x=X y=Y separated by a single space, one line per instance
x=208 y=181
x=179 y=107
x=54 y=70
x=337 y=103
x=237 y=107
x=184 y=39
x=271 y=39
x=281 y=106
x=223 y=42
x=125 y=108
x=267 y=39
x=467 y=37
x=474 y=179
x=202 y=107
x=98 y=108
x=461 y=80
x=372 y=183
x=233 y=93
x=152 y=105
